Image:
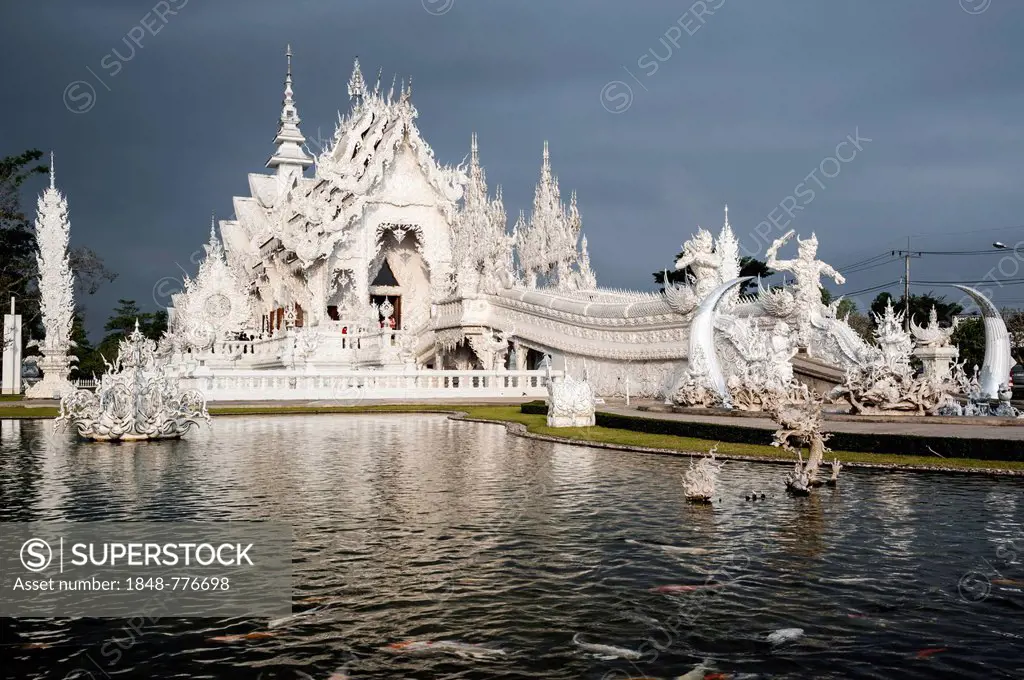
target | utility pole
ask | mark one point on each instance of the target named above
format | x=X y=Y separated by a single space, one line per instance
x=906 y=255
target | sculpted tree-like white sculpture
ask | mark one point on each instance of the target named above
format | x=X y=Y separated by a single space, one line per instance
x=135 y=399
x=56 y=292
x=571 y=403
x=799 y=413
x=700 y=481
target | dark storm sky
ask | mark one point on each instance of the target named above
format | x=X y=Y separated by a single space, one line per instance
x=656 y=117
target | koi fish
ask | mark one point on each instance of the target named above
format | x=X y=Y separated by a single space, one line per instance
x=314 y=599
x=461 y=649
x=36 y=645
x=682 y=550
x=782 y=635
x=1007 y=582
x=696 y=673
x=606 y=651
x=930 y=651
x=244 y=636
x=689 y=588
x=291 y=618
x=716 y=676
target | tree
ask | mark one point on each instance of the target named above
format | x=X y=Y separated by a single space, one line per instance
x=749 y=266
x=969 y=337
x=17 y=240
x=122 y=322
x=18 y=269
x=89 y=362
x=920 y=307
x=845 y=306
x=1014 y=319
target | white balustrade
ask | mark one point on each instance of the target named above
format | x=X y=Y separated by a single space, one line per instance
x=235 y=385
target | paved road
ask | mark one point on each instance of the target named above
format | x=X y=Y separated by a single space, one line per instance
x=968 y=430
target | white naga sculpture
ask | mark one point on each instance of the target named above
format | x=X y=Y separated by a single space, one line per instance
x=995 y=368
x=807 y=270
x=700 y=481
x=764 y=367
x=571 y=403
x=56 y=293
x=135 y=399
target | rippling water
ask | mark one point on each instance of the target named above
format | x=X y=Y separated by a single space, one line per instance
x=421 y=528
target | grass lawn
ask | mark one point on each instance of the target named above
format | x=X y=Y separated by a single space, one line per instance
x=601 y=435
x=10 y=397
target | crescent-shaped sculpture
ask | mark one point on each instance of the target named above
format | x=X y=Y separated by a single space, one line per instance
x=995 y=369
x=702 y=335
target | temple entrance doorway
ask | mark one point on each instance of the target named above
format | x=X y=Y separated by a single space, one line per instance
x=395 y=301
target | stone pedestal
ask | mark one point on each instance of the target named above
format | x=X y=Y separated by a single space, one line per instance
x=55 y=383
x=937 y=361
x=12 y=353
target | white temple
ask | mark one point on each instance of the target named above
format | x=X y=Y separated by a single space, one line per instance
x=372 y=269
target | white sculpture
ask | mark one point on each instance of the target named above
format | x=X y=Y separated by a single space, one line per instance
x=764 y=365
x=933 y=348
x=700 y=480
x=704 y=373
x=995 y=369
x=799 y=413
x=711 y=263
x=807 y=271
x=137 y=398
x=213 y=306
x=548 y=245
x=887 y=382
x=571 y=403
x=56 y=293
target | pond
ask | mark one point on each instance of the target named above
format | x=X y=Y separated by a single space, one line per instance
x=531 y=554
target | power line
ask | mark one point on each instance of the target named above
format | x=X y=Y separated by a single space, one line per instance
x=872 y=288
x=870 y=266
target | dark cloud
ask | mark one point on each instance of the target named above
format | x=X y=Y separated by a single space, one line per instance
x=739 y=112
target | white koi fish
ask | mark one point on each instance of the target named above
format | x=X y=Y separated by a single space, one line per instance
x=777 y=637
x=292 y=618
x=606 y=651
x=678 y=549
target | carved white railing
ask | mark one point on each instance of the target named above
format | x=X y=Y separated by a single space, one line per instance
x=358 y=385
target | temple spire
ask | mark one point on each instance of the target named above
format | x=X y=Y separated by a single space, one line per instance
x=53 y=177
x=289 y=139
x=356 y=86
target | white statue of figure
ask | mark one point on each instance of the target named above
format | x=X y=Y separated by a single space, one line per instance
x=137 y=398
x=700 y=481
x=56 y=293
x=711 y=264
x=699 y=255
x=571 y=403
x=807 y=270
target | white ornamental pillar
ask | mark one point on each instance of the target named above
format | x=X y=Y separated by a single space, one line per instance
x=12 y=352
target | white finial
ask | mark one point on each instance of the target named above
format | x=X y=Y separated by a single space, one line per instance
x=727 y=214
x=380 y=72
x=356 y=86
x=53 y=180
x=213 y=227
x=288 y=54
